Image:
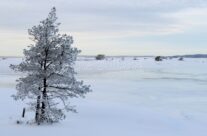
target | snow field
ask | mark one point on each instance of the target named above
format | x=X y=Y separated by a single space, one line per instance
x=129 y=98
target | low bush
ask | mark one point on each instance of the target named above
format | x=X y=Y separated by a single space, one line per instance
x=100 y=57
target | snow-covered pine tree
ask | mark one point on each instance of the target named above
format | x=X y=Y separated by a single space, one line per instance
x=49 y=77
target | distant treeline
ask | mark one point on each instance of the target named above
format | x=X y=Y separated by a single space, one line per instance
x=191 y=56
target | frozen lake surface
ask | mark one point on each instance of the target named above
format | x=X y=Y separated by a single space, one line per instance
x=130 y=98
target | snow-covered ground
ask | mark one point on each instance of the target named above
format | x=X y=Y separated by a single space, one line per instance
x=130 y=98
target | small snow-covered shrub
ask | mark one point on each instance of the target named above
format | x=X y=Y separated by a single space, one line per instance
x=100 y=57
x=181 y=59
x=158 y=58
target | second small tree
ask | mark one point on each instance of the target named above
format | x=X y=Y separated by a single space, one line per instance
x=49 y=77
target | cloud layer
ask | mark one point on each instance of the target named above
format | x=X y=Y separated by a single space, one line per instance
x=105 y=25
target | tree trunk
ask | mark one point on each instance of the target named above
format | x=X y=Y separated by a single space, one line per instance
x=37 y=115
x=44 y=92
x=44 y=101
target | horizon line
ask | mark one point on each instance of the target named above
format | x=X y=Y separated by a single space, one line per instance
x=115 y=55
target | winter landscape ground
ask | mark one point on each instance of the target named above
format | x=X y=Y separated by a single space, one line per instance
x=130 y=98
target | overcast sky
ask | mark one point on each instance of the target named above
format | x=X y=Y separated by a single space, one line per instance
x=111 y=27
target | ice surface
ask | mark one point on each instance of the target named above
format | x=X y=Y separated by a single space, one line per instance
x=130 y=98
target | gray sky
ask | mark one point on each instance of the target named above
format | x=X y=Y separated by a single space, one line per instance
x=118 y=27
